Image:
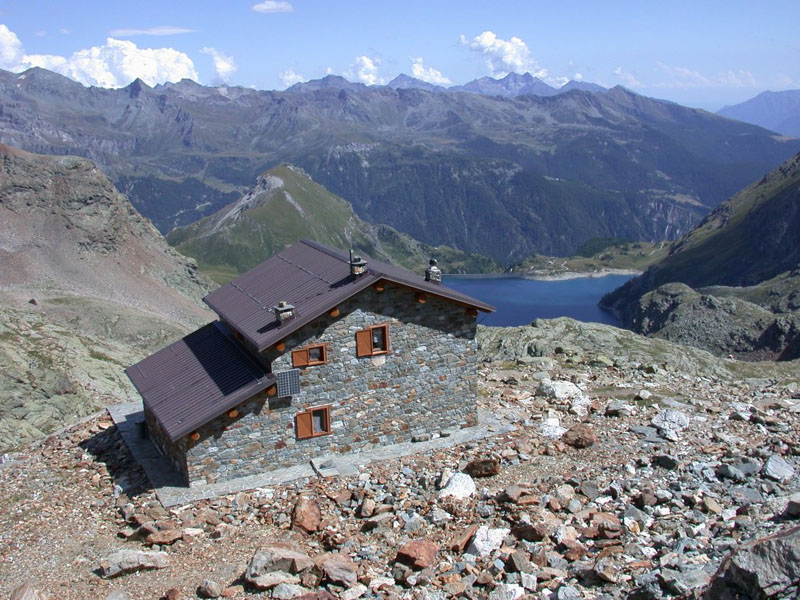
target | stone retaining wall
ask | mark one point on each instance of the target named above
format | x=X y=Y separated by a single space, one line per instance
x=426 y=384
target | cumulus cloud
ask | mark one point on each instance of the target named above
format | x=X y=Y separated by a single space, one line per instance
x=11 y=51
x=224 y=65
x=365 y=70
x=273 y=6
x=505 y=56
x=627 y=79
x=289 y=77
x=428 y=74
x=114 y=64
x=683 y=77
x=160 y=30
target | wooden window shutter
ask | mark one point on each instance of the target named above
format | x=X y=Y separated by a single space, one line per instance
x=300 y=358
x=364 y=343
x=305 y=426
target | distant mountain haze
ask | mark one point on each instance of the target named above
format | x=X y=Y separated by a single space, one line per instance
x=776 y=111
x=505 y=175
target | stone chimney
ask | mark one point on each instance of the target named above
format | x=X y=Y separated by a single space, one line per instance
x=284 y=311
x=358 y=266
x=432 y=273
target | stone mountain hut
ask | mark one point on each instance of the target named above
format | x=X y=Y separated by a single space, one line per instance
x=315 y=352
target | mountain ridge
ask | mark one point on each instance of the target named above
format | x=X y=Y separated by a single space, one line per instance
x=777 y=111
x=543 y=174
x=743 y=261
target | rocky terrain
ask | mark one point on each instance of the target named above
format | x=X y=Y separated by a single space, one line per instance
x=732 y=285
x=638 y=469
x=87 y=286
x=504 y=177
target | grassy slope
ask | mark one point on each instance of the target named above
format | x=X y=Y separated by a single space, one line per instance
x=301 y=209
x=752 y=237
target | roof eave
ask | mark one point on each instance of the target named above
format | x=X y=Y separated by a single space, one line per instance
x=176 y=433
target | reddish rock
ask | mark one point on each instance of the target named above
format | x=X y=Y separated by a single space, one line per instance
x=530 y=532
x=164 y=538
x=337 y=568
x=462 y=540
x=483 y=467
x=579 y=436
x=607 y=524
x=307 y=515
x=418 y=554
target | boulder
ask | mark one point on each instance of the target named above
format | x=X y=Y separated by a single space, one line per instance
x=559 y=390
x=307 y=515
x=460 y=486
x=27 y=591
x=670 y=423
x=483 y=467
x=579 y=436
x=209 y=589
x=778 y=469
x=768 y=567
x=337 y=568
x=418 y=554
x=275 y=559
x=127 y=561
x=486 y=540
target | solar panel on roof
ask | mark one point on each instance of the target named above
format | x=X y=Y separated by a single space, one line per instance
x=288 y=382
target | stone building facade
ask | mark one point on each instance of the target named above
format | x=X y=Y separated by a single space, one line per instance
x=357 y=354
x=427 y=383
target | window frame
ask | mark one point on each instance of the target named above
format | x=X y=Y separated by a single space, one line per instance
x=301 y=357
x=365 y=335
x=306 y=431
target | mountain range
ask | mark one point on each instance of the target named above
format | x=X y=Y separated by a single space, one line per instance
x=511 y=86
x=505 y=177
x=776 y=111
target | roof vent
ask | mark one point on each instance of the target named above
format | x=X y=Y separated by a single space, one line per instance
x=358 y=266
x=284 y=311
x=432 y=273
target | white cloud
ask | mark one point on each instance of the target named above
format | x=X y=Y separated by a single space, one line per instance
x=428 y=74
x=224 y=65
x=578 y=77
x=289 y=77
x=11 y=51
x=683 y=77
x=627 y=79
x=365 y=70
x=40 y=33
x=64 y=31
x=114 y=64
x=160 y=30
x=505 y=56
x=273 y=6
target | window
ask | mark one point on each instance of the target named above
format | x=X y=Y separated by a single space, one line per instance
x=310 y=355
x=313 y=423
x=372 y=341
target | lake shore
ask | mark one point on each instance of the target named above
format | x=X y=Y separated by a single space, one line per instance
x=547 y=276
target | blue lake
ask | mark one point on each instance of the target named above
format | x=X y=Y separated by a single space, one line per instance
x=519 y=301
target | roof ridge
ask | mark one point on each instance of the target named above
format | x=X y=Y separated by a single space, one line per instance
x=332 y=252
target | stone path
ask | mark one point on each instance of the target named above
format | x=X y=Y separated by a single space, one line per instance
x=129 y=419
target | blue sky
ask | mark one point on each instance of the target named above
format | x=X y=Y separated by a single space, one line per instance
x=704 y=54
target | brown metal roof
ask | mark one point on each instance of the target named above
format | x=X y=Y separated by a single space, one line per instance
x=196 y=379
x=314 y=278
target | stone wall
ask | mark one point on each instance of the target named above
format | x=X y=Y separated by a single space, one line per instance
x=428 y=383
x=175 y=451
